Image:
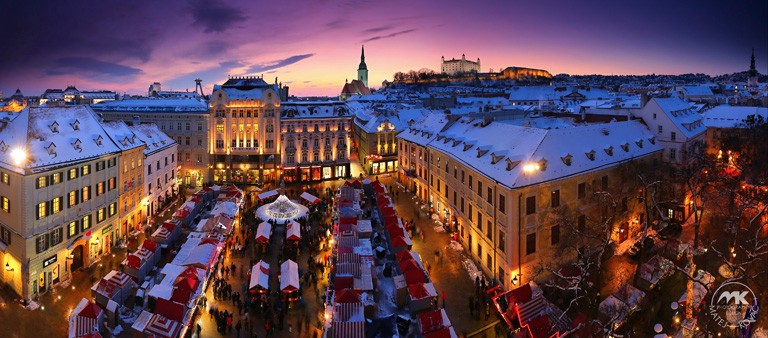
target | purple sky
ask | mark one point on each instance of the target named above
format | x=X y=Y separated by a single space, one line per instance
x=314 y=45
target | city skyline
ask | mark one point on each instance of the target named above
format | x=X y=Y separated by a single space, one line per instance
x=314 y=46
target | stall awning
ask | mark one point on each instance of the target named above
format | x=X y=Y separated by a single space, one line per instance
x=260 y=275
x=309 y=197
x=289 y=276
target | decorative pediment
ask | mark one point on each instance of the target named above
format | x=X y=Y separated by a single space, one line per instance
x=51 y=149
x=609 y=151
x=99 y=141
x=590 y=155
x=75 y=125
x=567 y=159
x=125 y=141
x=54 y=127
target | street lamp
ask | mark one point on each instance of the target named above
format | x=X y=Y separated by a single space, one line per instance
x=8 y=267
x=515 y=279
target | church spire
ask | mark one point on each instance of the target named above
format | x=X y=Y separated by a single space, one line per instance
x=362 y=70
x=752 y=61
x=362 y=60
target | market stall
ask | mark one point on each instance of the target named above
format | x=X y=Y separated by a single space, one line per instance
x=263 y=233
x=289 y=280
x=259 y=279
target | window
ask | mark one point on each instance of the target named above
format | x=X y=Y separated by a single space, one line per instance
x=86 y=169
x=41 y=243
x=489 y=195
x=489 y=230
x=555 y=234
x=582 y=190
x=488 y=261
x=101 y=215
x=470 y=181
x=186 y=140
x=462 y=176
x=187 y=126
x=469 y=214
x=86 y=222
x=72 y=200
x=219 y=144
x=673 y=154
x=86 y=194
x=112 y=184
x=112 y=209
x=6 y=204
x=673 y=136
x=502 y=241
x=556 y=198
x=56 y=236
x=530 y=205
x=199 y=144
x=5 y=235
x=199 y=126
x=479 y=220
x=42 y=182
x=149 y=169
x=654 y=116
x=661 y=129
x=72 y=229
x=462 y=205
x=480 y=188
x=604 y=182
x=42 y=210
x=530 y=244
x=56 y=178
x=72 y=174
x=219 y=128
x=479 y=250
x=7 y=178
x=178 y=126
x=56 y=204
x=270 y=144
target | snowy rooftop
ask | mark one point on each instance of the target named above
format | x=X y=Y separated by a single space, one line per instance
x=312 y=109
x=680 y=112
x=54 y=136
x=425 y=130
x=502 y=150
x=154 y=104
x=731 y=116
x=400 y=120
x=153 y=137
x=122 y=135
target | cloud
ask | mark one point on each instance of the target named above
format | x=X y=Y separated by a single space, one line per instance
x=378 y=29
x=215 y=16
x=392 y=35
x=231 y=64
x=91 y=68
x=338 y=23
x=278 y=63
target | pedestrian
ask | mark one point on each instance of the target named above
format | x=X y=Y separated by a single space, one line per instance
x=238 y=326
x=487 y=310
x=198 y=329
x=443 y=296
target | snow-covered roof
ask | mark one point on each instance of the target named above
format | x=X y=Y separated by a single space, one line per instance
x=726 y=116
x=312 y=109
x=122 y=135
x=370 y=121
x=154 y=139
x=426 y=129
x=697 y=90
x=154 y=104
x=681 y=114
x=54 y=136
x=501 y=151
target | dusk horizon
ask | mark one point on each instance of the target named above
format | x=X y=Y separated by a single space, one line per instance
x=313 y=47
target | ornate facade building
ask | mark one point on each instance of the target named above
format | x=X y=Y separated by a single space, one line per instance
x=245 y=131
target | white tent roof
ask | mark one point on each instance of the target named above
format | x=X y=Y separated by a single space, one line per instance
x=267 y=194
x=260 y=275
x=293 y=229
x=309 y=197
x=264 y=230
x=289 y=275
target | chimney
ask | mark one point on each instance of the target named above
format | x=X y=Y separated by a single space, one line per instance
x=644 y=99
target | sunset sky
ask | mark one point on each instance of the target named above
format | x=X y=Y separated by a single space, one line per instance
x=314 y=45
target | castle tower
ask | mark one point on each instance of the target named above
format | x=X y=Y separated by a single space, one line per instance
x=362 y=70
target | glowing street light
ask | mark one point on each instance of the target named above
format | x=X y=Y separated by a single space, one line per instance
x=531 y=167
x=18 y=155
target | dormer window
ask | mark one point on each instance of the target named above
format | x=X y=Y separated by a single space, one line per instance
x=75 y=125
x=456 y=142
x=511 y=164
x=481 y=152
x=125 y=141
x=639 y=143
x=3 y=146
x=496 y=158
x=440 y=137
x=609 y=151
x=653 y=139
x=591 y=155
x=54 y=127
x=605 y=131
x=467 y=146
x=133 y=138
x=625 y=147
x=543 y=165
x=567 y=159
x=99 y=141
x=52 y=149
x=77 y=144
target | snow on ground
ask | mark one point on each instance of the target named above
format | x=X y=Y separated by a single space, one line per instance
x=455 y=246
x=471 y=268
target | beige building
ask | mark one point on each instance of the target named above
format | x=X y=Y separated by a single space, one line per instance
x=500 y=186
x=131 y=183
x=245 y=131
x=59 y=196
x=160 y=162
x=460 y=66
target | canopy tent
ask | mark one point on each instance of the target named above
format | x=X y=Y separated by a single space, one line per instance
x=421 y=296
x=260 y=276
x=267 y=194
x=415 y=276
x=160 y=326
x=293 y=231
x=309 y=197
x=289 y=276
x=263 y=232
x=433 y=320
x=85 y=319
x=348 y=330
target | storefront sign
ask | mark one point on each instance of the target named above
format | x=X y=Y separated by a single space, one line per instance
x=106 y=229
x=50 y=261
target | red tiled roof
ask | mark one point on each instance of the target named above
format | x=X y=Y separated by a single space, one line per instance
x=169 y=309
x=90 y=311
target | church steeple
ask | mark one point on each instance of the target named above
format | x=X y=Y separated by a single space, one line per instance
x=362 y=70
x=752 y=68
